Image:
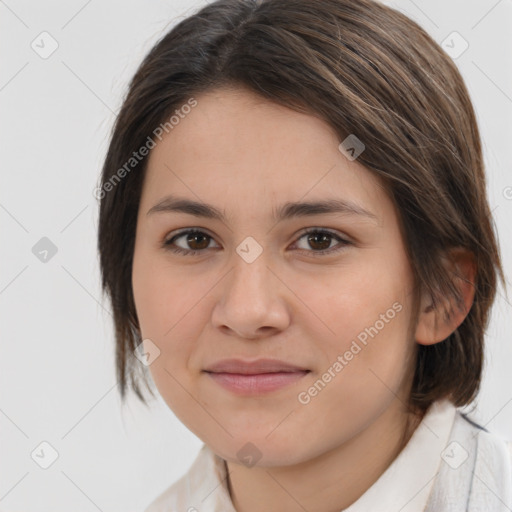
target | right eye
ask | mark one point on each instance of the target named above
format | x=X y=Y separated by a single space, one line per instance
x=192 y=237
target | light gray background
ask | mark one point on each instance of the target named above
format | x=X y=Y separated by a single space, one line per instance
x=57 y=367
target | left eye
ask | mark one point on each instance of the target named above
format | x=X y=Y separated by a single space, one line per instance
x=322 y=240
x=319 y=238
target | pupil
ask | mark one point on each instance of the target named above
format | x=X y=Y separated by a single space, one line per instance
x=325 y=239
x=192 y=239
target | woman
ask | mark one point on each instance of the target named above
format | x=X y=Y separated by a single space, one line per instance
x=295 y=237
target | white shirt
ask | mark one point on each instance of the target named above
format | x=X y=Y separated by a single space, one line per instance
x=437 y=465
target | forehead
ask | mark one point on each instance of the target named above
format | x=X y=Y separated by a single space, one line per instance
x=236 y=148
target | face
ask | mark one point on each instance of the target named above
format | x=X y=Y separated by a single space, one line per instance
x=322 y=294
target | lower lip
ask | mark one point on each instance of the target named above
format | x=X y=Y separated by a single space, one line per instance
x=257 y=383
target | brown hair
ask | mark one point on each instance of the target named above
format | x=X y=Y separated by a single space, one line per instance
x=365 y=69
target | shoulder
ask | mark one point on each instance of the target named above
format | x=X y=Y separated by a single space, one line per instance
x=488 y=439
x=178 y=496
x=476 y=468
x=493 y=453
x=187 y=494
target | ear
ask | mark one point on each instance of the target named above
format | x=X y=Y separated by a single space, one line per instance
x=435 y=325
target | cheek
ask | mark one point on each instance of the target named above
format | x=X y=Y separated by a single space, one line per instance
x=364 y=377
x=341 y=304
x=163 y=296
x=165 y=308
x=171 y=308
x=367 y=311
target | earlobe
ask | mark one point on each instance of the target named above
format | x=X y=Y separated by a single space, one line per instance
x=436 y=324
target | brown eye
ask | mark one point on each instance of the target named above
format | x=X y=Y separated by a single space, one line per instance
x=320 y=241
x=193 y=242
x=196 y=241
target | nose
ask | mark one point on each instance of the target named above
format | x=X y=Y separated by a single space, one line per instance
x=252 y=300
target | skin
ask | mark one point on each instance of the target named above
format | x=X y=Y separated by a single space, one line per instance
x=246 y=156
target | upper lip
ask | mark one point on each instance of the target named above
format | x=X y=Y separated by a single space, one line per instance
x=253 y=367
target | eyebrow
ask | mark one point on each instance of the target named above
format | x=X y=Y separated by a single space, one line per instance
x=286 y=211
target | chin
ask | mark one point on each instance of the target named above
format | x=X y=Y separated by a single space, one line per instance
x=259 y=451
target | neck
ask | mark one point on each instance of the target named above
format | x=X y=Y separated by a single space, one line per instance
x=331 y=481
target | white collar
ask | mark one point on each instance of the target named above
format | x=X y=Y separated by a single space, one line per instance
x=407 y=482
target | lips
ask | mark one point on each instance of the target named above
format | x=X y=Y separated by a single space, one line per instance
x=253 y=367
x=254 y=377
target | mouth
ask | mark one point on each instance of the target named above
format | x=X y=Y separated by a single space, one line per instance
x=254 y=377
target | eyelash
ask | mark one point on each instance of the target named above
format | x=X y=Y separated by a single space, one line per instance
x=168 y=244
